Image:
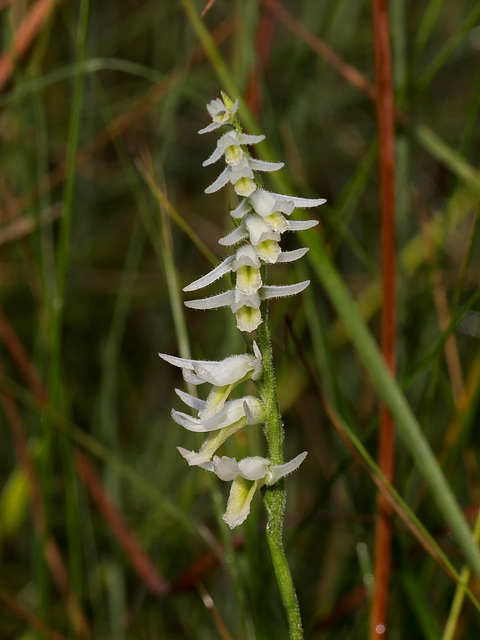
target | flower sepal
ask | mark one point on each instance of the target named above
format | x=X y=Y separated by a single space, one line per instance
x=248 y=475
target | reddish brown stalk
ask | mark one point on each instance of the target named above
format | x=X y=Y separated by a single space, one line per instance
x=4 y=4
x=386 y=138
x=22 y=227
x=348 y=72
x=263 y=46
x=52 y=554
x=214 y=612
x=207 y=8
x=137 y=556
x=350 y=603
x=29 y=618
x=21 y=359
x=382 y=484
x=24 y=36
x=139 y=560
x=116 y=128
x=199 y=569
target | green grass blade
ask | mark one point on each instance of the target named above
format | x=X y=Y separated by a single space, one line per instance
x=407 y=425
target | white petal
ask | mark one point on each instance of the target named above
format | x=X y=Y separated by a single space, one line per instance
x=225 y=468
x=234 y=155
x=241 y=170
x=282 y=291
x=232 y=412
x=259 y=230
x=282 y=470
x=217 y=372
x=189 y=455
x=229 y=139
x=291 y=256
x=249 y=139
x=248 y=319
x=245 y=186
x=191 y=378
x=263 y=202
x=249 y=280
x=301 y=225
x=191 y=401
x=186 y=421
x=221 y=113
x=220 y=182
x=246 y=256
x=184 y=363
x=211 y=127
x=216 y=155
x=214 y=302
x=243 y=208
x=245 y=300
x=268 y=251
x=277 y=221
x=261 y=165
x=301 y=203
x=205 y=464
x=227 y=371
x=237 y=235
x=216 y=107
x=222 y=269
x=253 y=468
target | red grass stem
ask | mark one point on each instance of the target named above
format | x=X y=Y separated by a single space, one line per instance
x=386 y=137
x=25 y=35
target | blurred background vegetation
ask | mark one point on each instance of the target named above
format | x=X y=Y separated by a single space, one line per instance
x=104 y=530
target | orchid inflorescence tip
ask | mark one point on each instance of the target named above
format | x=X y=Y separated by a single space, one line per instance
x=261 y=218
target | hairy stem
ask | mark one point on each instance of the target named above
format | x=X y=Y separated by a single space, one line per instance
x=274 y=496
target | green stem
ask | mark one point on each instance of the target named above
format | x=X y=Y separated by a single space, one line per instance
x=274 y=496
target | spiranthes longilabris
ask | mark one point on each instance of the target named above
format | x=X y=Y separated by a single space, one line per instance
x=261 y=217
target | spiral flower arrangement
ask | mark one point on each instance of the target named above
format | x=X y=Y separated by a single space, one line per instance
x=261 y=218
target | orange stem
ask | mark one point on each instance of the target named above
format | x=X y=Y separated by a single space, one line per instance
x=386 y=137
x=25 y=35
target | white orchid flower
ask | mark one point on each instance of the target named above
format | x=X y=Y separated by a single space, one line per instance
x=241 y=175
x=220 y=114
x=247 y=410
x=258 y=229
x=219 y=372
x=224 y=375
x=248 y=475
x=230 y=146
x=241 y=303
x=265 y=203
x=234 y=415
x=246 y=264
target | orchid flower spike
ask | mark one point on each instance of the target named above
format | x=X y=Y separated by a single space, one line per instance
x=248 y=475
x=263 y=216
